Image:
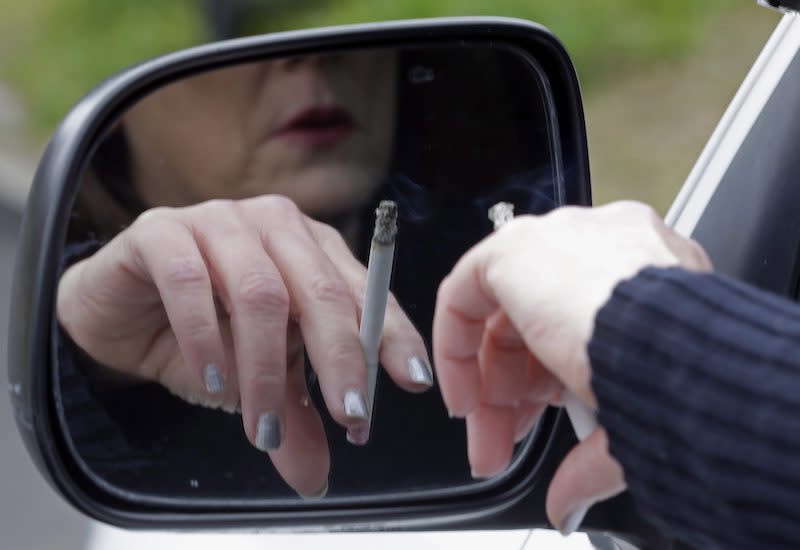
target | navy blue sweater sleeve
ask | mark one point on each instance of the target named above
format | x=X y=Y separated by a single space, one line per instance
x=698 y=382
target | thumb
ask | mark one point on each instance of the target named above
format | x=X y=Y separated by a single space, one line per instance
x=587 y=474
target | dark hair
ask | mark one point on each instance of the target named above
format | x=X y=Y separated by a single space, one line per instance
x=106 y=202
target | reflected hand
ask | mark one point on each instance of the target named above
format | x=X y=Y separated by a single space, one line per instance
x=217 y=302
x=512 y=325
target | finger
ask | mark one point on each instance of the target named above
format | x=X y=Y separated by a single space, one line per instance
x=322 y=305
x=166 y=252
x=587 y=475
x=98 y=291
x=303 y=460
x=402 y=352
x=462 y=307
x=490 y=439
x=509 y=373
x=184 y=383
x=503 y=359
x=253 y=293
x=528 y=415
x=691 y=255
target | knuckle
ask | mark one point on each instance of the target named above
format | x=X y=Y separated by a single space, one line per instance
x=261 y=292
x=328 y=290
x=280 y=207
x=216 y=205
x=563 y=213
x=183 y=271
x=214 y=210
x=626 y=209
x=329 y=238
x=152 y=221
x=199 y=328
x=157 y=213
x=518 y=228
x=324 y=230
x=641 y=211
x=344 y=355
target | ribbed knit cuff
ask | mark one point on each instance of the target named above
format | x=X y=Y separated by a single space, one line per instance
x=698 y=382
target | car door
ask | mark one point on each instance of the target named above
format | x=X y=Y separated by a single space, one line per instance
x=742 y=198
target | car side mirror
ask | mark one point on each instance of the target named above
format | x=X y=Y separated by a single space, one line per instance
x=443 y=117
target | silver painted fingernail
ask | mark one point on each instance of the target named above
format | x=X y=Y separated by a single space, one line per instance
x=319 y=494
x=355 y=406
x=420 y=371
x=214 y=380
x=268 y=433
x=573 y=520
x=358 y=435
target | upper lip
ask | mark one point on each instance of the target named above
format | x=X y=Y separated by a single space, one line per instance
x=319 y=117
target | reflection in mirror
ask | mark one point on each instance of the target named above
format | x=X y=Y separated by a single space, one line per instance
x=150 y=405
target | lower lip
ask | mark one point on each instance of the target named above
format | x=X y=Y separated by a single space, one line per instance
x=317 y=138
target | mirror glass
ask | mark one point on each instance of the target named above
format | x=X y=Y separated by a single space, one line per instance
x=445 y=131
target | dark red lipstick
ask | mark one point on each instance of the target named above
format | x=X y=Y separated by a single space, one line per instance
x=318 y=127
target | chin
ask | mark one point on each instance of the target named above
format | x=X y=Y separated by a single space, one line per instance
x=331 y=190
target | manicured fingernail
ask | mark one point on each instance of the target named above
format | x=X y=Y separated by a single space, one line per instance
x=420 y=371
x=214 y=380
x=319 y=494
x=573 y=520
x=358 y=435
x=268 y=433
x=355 y=406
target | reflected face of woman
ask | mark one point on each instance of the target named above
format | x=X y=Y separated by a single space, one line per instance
x=317 y=129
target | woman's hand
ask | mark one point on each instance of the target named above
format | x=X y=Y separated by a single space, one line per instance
x=512 y=325
x=217 y=302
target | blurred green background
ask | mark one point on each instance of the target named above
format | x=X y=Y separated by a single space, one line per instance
x=656 y=75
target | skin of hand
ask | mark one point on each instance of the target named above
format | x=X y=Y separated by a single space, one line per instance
x=242 y=287
x=512 y=324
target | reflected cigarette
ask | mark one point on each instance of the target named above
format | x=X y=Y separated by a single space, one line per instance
x=501 y=213
x=379 y=273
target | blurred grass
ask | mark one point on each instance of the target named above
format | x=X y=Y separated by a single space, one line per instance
x=601 y=35
x=53 y=51
x=647 y=129
x=656 y=75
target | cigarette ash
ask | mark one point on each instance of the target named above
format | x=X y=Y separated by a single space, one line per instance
x=385 y=222
x=501 y=213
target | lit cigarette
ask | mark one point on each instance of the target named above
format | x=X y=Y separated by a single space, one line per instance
x=582 y=418
x=379 y=272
